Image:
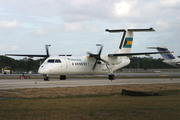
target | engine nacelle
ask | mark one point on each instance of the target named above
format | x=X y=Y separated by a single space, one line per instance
x=112 y=60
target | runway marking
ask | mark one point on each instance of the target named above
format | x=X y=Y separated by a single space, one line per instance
x=67 y=84
x=163 y=75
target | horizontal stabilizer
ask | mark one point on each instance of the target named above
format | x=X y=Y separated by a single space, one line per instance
x=133 y=30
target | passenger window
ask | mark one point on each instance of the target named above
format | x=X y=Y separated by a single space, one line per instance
x=50 y=61
x=57 y=61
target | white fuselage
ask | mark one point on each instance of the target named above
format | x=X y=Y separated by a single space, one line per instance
x=80 y=65
x=174 y=62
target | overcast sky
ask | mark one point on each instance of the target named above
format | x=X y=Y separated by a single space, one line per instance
x=76 y=26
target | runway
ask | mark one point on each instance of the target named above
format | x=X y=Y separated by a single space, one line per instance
x=171 y=74
x=74 y=82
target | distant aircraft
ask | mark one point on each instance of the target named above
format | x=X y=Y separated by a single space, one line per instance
x=168 y=57
x=90 y=64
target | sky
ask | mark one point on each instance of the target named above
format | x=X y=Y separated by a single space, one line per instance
x=76 y=26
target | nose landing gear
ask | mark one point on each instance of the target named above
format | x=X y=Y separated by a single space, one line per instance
x=46 y=78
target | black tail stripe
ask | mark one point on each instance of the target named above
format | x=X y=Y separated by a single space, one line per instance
x=121 y=45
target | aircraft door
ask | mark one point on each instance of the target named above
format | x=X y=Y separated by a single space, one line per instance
x=62 y=67
x=58 y=66
x=67 y=65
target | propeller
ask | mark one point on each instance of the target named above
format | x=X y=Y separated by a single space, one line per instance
x=47 y=50
x=47 y=54
x=97 y=57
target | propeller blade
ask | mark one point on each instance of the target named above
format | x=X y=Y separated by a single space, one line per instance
x=94 y=65
x=47 y=50
x=104 y=61
x=91 y=55
x=100 y=50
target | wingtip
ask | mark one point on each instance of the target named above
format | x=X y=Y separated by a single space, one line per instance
x=152 y=29
x=107 y=30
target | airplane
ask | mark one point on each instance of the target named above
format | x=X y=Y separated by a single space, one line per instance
x=91 y=64
x=168 y=57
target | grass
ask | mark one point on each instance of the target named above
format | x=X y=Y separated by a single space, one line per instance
x=94 y=107
x=111 y=105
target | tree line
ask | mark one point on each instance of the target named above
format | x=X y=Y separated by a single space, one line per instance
x=148 y=63
x=25 y=64
x=28 y=64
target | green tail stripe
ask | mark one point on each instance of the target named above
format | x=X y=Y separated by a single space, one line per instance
x=127 y=46
x=129 y=39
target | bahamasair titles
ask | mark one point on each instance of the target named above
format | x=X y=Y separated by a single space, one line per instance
x=91 y=64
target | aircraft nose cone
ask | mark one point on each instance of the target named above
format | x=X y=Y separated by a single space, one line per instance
x=44 y=69
x=41 y=70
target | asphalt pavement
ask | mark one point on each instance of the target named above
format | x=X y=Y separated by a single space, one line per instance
x=75 y=82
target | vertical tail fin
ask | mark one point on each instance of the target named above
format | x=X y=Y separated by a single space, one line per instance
x=126 y=42
x=127 y=39
x=166 y=56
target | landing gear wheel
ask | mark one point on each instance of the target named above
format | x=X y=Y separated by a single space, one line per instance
x=112 y=77
x=62 y=77
x=46 y=78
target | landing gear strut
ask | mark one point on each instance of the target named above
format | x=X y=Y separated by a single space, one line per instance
x=111 y=77
x=62 y=77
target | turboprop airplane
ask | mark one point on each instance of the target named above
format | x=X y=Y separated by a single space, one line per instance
x=169 y=58
x=90 y=64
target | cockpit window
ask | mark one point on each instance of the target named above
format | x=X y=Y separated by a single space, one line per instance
x=57 y=61
x=50 y=61
x=54 y=61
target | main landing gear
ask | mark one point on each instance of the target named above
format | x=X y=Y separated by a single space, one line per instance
x=112 y=77
x=62 y=77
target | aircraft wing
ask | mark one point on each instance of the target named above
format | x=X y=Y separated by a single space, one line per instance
x=27 y=55
x=131 y=54
x=32 y=55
